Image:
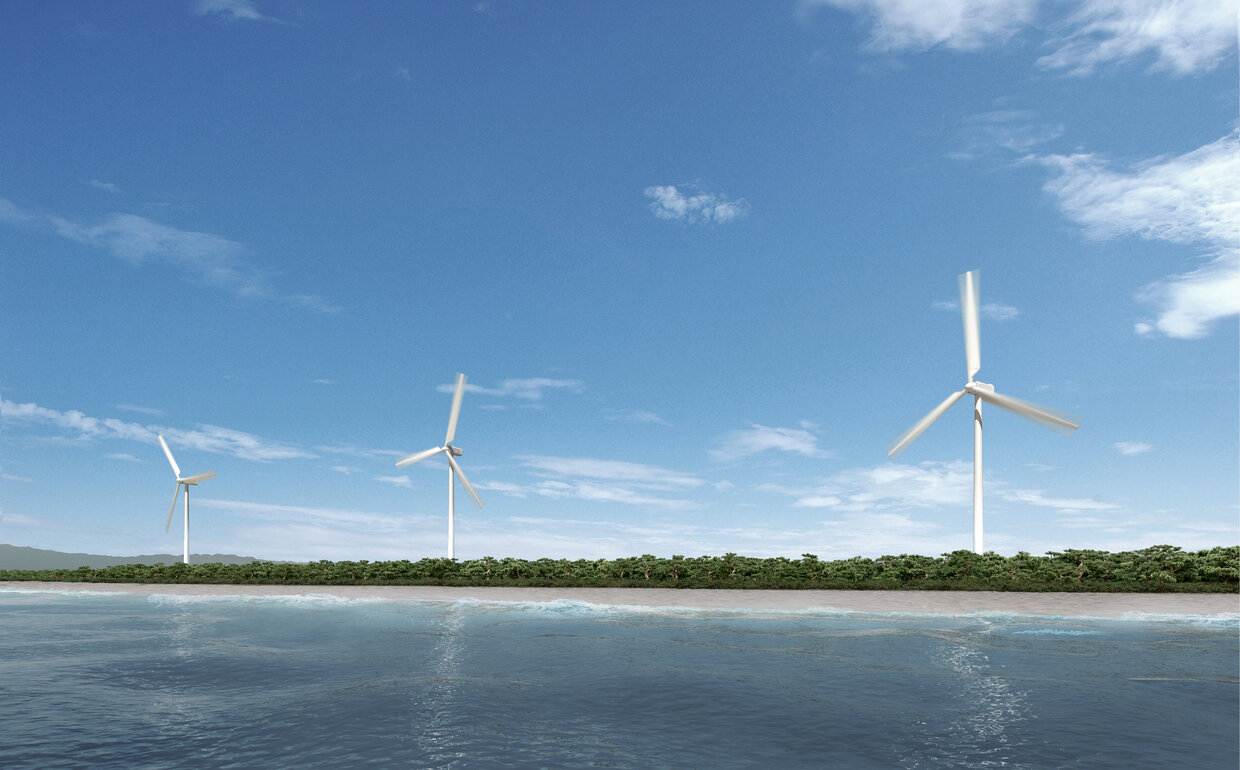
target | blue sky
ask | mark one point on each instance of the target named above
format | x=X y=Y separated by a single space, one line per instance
x=698 y=261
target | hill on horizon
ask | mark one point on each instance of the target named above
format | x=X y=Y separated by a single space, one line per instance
x=25 y=557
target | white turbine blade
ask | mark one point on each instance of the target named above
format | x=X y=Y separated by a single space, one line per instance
x=460 y=474
x=970 y=288
x=1060 y=422
x=910 y=435
x=457 y=395
x=200 y=477
x=168 y=452
x=418 y=457
x=173 y=509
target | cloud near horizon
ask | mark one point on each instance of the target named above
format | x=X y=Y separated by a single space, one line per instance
x=207 y=438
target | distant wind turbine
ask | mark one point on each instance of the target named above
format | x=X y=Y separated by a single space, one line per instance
x=187 y=482
x=1050 y=418
x=450 y=452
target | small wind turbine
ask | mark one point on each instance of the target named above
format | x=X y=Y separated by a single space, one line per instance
x=1050 y=418
x=187 y=482
x=450 y=452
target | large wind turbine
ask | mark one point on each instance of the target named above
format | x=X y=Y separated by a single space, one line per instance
x=1050 y=418
x=450 y=452
x=187 y=482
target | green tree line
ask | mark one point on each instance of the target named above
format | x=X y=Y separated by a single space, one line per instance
x=1157 y=568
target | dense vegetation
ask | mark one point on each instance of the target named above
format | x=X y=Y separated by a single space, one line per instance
x=1158 y=568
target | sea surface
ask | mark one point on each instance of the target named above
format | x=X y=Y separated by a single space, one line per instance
x=134 y=681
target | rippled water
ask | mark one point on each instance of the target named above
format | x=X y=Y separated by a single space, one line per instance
x=130 y=681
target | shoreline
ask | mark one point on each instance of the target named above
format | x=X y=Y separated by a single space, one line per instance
x=1097 y=605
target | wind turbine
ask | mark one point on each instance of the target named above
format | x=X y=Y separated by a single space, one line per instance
x=1050 y=418
x=450 y=452
x=187 y=482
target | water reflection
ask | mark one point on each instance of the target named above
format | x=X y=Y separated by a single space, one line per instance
x=979 y=722
x=438 y=717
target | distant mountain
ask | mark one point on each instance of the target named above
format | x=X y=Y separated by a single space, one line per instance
x=22 y=557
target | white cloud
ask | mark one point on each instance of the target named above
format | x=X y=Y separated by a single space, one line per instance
x=147 y=410
x=611 y=470
x=1191 y=199
x=11 y=477
x=528 y=389
x=232 y=10
x=1035 y=497
x=1183 y=36
x=1132 y=447
x=105 y=186
x=208 y=438
x=1017 y=131
x=634 y=415
x=125 y=456
x=613 y=481
x=379 y=522
x=347 y=470
x=206 y=259
x=917 y=25
x=887 y=487
x=396 y=481
x=738 y=444
x=697 y=206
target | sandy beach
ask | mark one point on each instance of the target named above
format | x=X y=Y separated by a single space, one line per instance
x=1099 y=605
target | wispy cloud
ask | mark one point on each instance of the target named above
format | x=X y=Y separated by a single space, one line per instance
x=1016 y=131
x=738 y=444
x=370 y=521
x=611 y=470
x=1191 y=199
x=1183 y=36
x=1036 y=497
x=105 y=186
x=528 y=389
x=204 y=258
x=634 y=415
x=124 y=456
x=396 y=481
x=595 y=480
x=888 y=487
x=231 y=10
x=697 y=206
x=917 y=25
x=993 y=311
x=147 y=410
x=207 y=438
x=12 y=477
x=1131 y=447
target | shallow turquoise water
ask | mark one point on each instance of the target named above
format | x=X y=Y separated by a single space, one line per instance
x=130 y=681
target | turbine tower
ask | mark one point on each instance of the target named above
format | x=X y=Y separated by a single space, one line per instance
x=187 y=482
x=1050 y=418
x=450 y=452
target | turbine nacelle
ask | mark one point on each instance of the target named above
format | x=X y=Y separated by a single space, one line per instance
x=977 y=388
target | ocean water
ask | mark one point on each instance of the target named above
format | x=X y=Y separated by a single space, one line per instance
x=127 y=681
